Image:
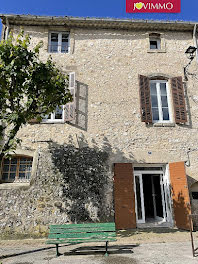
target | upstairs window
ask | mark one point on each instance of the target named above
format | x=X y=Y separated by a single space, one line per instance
x=58 y=42
x=66 y=112
x=56 y=116
x=16 y=169
x=155 y=101
x=160 y=101
x=154 y=41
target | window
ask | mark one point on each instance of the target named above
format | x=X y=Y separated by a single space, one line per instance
x=160 y=101
x=155 y=103
x=66 y=112
x=56 y=116
x=16 y=169
x=195 y=195
x=58 y=42
x=154 y=41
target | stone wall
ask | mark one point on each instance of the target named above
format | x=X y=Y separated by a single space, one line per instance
x=70 y=185
x=107 y=64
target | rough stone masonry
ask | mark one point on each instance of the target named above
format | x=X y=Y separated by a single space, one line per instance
x=72 y=176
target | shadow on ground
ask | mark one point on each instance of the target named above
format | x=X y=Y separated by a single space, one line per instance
x=100 y=250
x=131 y=232
x=82 y=250
x=27 y=252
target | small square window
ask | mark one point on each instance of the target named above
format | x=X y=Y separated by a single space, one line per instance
x=155 y=44
x=154 y=41
x=16 y=169
x=58 y=42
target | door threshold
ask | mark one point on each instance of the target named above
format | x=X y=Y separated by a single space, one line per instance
x=154 y=224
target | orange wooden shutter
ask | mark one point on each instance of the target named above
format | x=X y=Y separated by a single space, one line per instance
x=70 y=107
x=180 y=194
x=124 y=197
x=178 y=100
x=145 y=99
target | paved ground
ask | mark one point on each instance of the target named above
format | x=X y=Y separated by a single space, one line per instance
x=142 y=247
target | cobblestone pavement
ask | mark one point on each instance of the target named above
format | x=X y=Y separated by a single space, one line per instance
x=131 y=248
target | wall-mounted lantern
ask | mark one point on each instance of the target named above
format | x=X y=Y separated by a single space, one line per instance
x=190 y=53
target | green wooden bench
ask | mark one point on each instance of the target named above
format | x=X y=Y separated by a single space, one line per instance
x=80 y=233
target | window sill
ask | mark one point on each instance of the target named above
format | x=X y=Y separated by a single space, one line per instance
x=14 y=185
x=156 y=51
x=58 y=52
x=164 y=124
x=52 y=122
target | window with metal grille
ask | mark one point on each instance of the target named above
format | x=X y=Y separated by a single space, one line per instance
x=58 y=42
x=16 y=169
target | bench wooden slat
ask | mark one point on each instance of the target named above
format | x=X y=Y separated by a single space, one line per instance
x=83 y=235
x=78 y=241
x=76 y=226
x=81 y=230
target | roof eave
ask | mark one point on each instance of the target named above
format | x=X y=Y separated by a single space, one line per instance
x=97 y=22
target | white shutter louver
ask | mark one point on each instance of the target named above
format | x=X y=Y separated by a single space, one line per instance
x=70 y=107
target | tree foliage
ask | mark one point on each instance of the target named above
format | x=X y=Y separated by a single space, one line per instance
x=29 y=88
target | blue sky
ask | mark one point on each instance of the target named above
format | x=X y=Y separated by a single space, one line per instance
x=92 y=8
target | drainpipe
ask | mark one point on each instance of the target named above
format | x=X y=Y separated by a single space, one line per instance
x=7 y=29
x=195 y=40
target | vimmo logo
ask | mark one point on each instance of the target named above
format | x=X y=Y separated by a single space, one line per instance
x=153 y=6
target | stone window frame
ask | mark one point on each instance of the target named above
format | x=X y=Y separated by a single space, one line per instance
x=59 y=41
x=21 y=184
x=161 y=42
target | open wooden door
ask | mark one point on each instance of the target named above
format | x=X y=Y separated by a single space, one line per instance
x=180 y=195
x=124 y=197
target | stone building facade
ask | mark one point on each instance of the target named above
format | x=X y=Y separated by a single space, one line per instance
x=130 y=146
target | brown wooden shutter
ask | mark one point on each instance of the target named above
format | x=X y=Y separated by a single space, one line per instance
x=178 y=100
x=70 y=107
x=124 y=197
x=180 y=195
x=145 y=99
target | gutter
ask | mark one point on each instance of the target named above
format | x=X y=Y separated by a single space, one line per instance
x=195 y=40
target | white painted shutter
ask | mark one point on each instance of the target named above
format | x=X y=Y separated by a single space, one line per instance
x=70 y=107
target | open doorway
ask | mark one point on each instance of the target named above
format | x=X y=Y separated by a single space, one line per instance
x=151 y=197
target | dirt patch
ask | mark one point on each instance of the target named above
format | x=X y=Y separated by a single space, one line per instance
x=153 y=235
x=23 y=242
x=118 y=260
x=23 y=262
